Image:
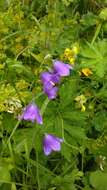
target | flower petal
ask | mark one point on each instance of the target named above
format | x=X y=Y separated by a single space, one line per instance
x=61 y=68
x=52 y=77
x=38 y=116
x=55 y=143
x=46 y=147
x=29 y=112
x=32 y=113
x=51 y=92
x=52 y=143
x=45 y=77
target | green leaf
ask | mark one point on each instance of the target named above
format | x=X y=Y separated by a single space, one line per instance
x=67 y=92
x=76 y=132
x=89 y=19
x=25 y=141
x=66 y=152
x=4 y=174
x=76 y=117
x=98 y=180
x=13 y=187
x=100 y=120
x=103 y=14
x=95 y=56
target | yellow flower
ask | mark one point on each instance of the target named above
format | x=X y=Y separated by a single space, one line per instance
x=81 y=100
x=75 y=50
x=68 y=53
x=83 y=108
x=71 y=60
x=86 y=72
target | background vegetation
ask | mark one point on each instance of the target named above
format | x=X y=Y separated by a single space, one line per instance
x=32 y=34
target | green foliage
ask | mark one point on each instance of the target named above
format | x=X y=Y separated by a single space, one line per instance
x=98 y=180
x=32 y=34
x=95 y=57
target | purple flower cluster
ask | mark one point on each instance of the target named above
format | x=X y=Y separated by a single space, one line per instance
x=51 y=79
x=50 y=143
x=32 y=113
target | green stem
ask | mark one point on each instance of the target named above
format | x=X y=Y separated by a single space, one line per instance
x=16 y=126
x=19 y=184
x=43 y=108
x=82 y=167
x=8 y=141
x=37 y=171
x=96 y=33
x=34 y=163
x=72 y=146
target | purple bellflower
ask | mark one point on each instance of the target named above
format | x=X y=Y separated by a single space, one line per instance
x=50 y=79
x=50 y=91
x=53 y=78
x=51 y=143
x=32 y=113
x=61 y=68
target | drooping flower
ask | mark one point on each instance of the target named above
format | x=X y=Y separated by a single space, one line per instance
x=53 y=78
x=50 y=90
x=49 y=81
x=61 y=68
x=51 y=143
x=32 y=113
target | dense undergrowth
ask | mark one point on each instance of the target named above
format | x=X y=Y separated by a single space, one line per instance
x=34 y=35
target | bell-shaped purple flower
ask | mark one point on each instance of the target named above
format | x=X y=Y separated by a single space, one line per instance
x=32 y=113
x=49 y=81
x=51 y=143
x=53 y=78
x=50 y=91
x=61 y=68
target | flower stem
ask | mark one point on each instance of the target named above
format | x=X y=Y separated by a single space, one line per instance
x=16 y=126
x=63 y=136
x=43 y=108
x=37 y=171
x=8 y=140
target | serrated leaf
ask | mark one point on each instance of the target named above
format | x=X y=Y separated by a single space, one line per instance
x=76 y=132
x=67 y=92
x=95 y=57
x=23 y=140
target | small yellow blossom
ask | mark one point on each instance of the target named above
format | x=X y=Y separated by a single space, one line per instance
x=81 y=100
x=83 y=108
x=75 y=50
x=71 y=53
x=72 y=60
x=86 y=72
x=68 y=53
